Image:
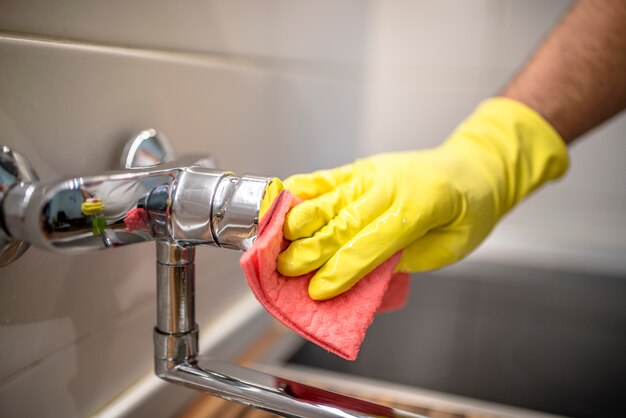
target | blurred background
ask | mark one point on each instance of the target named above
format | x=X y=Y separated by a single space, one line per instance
x=534 y=319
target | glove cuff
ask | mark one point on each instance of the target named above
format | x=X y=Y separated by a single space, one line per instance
x=517 y=142
x=535 y=133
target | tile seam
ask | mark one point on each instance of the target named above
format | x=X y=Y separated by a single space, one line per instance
x=255 y=63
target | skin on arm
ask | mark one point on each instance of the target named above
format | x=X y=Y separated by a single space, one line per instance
x=577 y=78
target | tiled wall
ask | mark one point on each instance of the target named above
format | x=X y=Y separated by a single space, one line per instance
x=262 y=88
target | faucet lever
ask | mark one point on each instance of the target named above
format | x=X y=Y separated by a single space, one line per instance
x=14 y=169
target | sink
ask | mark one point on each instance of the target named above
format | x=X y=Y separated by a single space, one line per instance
x=550 y=341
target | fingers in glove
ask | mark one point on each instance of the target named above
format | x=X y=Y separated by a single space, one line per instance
x=308 y=186
x=311 y=215
x=389 y=233
x=308 y=254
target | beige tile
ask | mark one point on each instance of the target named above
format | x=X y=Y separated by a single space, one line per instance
x=82 y=378
x=79 y=378
x=458 y=34
x=406 y=114
x=322 y=30
x=49 y=301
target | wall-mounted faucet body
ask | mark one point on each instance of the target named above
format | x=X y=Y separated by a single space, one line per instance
x=185 y=201
x=179 y=204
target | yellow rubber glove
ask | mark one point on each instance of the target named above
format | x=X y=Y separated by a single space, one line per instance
x=436 y=205
x=91 y=206
x=272 y=190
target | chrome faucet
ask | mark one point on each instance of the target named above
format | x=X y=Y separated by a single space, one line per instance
x=178 y=203
x=185 y=201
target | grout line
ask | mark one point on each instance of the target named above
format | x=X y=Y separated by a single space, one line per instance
x=222 y=60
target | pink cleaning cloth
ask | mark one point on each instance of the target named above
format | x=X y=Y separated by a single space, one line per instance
x=135 y=219
x=337 y=324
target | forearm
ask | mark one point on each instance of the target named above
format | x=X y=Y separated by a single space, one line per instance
x=577 y=78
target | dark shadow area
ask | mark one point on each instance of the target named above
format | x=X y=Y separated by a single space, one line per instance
x=543 y=340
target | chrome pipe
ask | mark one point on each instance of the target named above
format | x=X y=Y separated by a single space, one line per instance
x=177 y=361
x=280 y=396
x=175 y=288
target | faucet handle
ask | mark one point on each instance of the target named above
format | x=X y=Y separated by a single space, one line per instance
x=147 y=148
x=14 y=169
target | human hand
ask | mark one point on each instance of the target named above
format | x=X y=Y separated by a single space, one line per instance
x=435 y=205
x=92 y=206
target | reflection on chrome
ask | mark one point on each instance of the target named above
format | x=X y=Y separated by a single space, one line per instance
x=174 y=201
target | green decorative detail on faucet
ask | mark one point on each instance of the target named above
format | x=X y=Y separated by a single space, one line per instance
x=98 y=224
x=92 y=207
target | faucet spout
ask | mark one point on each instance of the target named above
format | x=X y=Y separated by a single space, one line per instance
x=178 y=204
x=177 y=360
